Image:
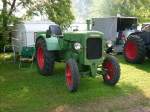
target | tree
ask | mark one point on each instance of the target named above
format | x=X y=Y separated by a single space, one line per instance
x=7 y=17
x=9 y=8
x=58 y=11
x=140 y=8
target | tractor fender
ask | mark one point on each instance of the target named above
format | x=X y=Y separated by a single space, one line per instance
x=136 y=33
x=145 y=36
x=52 y=43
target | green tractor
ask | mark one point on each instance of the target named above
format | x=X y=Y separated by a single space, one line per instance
x=83 y=53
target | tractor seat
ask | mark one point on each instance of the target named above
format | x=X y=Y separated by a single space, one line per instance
x=54 y=30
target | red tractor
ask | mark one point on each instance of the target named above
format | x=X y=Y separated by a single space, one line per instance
x=137 y=46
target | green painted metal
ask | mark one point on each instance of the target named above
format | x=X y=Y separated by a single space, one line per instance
x=65 y=47
x=52 y=43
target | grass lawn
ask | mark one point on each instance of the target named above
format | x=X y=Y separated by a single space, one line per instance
x=25 y=90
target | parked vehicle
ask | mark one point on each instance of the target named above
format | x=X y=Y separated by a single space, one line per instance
x=83 y=53
x=115 y=29
x=24 y=34
x=137 y=46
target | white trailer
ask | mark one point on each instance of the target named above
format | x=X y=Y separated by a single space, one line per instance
x=113 y=26
x=110 y=26
x=24 y=34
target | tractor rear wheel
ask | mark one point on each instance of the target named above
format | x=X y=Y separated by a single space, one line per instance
x=72 y=75
x=111 y=70
x=134 y=49
x=44 y=58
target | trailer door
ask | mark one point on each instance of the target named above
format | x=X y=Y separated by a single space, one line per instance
x=30 y=38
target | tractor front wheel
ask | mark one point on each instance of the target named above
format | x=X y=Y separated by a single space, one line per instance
x=44 y=58
x=111 y=70
x=72 y=75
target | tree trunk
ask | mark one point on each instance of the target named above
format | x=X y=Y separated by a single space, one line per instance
x=4 y=15
x=4 y=23
x=12 y=7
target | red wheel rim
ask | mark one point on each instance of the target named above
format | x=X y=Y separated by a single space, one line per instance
x=40 y=57
x=131 y=50
x=69 y=80
x=109 y=70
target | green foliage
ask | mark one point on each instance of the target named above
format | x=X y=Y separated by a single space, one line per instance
x=140 y=8
x=1 y=42
x=8 y=17
x=58 y=11
x=143 y=14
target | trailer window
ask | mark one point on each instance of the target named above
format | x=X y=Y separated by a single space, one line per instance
x=126 y=23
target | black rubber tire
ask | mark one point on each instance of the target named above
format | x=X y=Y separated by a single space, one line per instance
x=115 y=67
x=74 y=74
x=148 y=54
x=49 y=58
x=141 y=51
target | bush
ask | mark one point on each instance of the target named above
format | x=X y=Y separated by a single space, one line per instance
x=3 y=39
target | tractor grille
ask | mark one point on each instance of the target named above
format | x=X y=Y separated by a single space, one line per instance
x=94 y=48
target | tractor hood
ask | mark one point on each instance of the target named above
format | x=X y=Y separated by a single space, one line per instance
x=74 y=36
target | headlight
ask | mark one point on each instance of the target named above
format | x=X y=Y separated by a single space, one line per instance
x=77 y=46
x=109 y=43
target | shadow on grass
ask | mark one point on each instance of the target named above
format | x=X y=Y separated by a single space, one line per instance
x=28 y=91
x=145 y=66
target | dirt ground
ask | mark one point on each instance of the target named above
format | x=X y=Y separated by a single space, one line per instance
x=131 y=103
